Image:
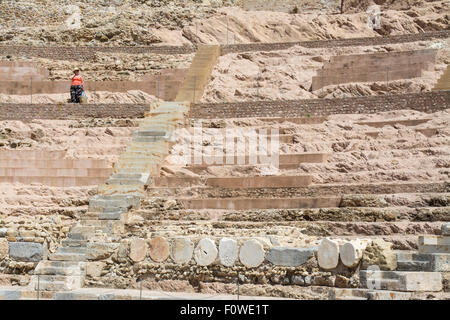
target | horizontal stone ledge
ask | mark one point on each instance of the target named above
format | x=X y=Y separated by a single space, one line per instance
x=235 y=182
x=56 y=173
x=32 y=154
x=264 y=203
x=380 y=124
x=54 y=164
x=56 y=181
x=261 y=159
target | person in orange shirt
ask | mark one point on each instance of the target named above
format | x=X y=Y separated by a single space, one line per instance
x=77 y=87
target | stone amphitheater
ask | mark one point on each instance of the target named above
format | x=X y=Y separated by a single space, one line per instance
x=340 y=199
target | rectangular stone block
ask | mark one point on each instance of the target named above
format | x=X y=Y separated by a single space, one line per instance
x=289 y=257
x=434 y=244
x=401 y=280
x=27 y=251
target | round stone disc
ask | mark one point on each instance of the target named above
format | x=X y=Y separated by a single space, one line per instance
x=159 y=249
x=138 y=249
x=206 y=252
x=252 y=253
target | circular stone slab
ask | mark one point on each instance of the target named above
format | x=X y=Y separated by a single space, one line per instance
x=228 y=251
x=182 y=249
x=252 y=253
x=206 y=252
x=328 y=254
x=159 y=249
x=349 y=254
x=138 y=249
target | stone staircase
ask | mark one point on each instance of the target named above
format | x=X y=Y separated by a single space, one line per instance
x=417 y=271
x=198 y=74
x=66 y=268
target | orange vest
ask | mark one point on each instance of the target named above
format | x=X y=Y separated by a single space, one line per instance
x=77 y=80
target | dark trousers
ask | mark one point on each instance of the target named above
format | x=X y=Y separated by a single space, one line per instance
x=75 y=93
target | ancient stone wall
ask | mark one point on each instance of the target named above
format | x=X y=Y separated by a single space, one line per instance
x=424 y=102
x=28 y=112
x=88 y=53
x=291 y=6
x=369 y=41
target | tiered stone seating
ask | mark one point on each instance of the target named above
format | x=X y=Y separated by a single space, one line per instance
x=374 y=67
x=50 y=168
x=66 y=269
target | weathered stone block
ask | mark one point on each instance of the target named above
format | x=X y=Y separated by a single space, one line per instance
x=94 y=269
x=100 y=251
x=26 y=251
x=445 y=229
x=3 y=232
x=379 y=253
x=401 y=280
x=289 y=257
x=434 y=244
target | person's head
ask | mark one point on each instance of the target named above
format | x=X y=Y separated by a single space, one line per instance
x=76 y=71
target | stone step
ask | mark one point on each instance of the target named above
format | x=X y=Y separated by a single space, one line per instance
x=76 y=236
x=57 y=173
x=102 y=202
x=401 y=280
x=56 y=282
x=149 y=139
x=366 y=294
x=56 y=181
x=434 y=244
x=415 y=261
x=97 y=223
x=143 y=156
x=33 y=154
x=130 y=168
x=428 y=132
x=77 y=250
x=380 y=124
x=265 y=203
x=54 y=164
x=260 y=159
x=57 y=256
x=149 y=133
x=74 y=243
x=128 y=179
x=83 y=230
x=115 y=189
x=61 y=268
x=414 y=265
x=235 y=182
